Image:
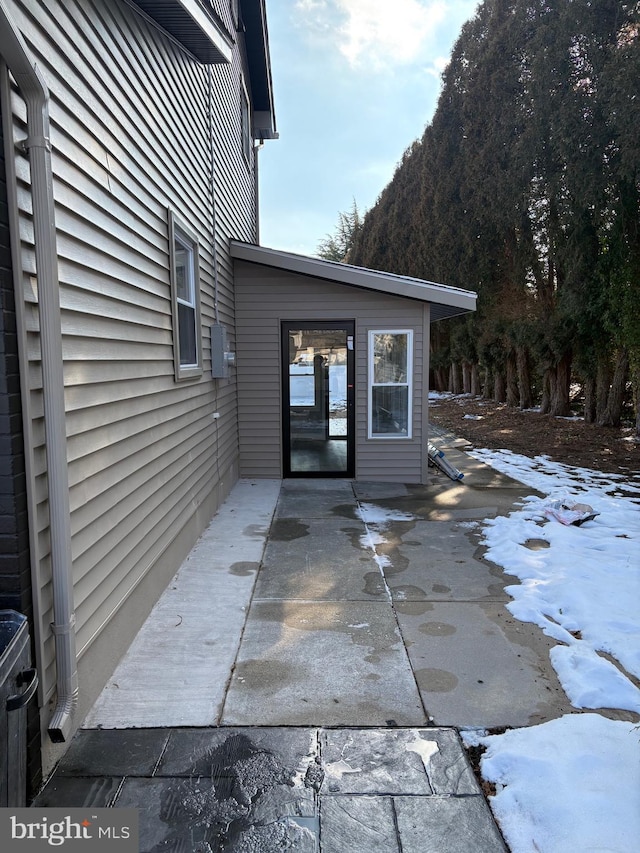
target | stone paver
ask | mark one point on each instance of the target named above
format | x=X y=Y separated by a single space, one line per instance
x=446 y=824
x=262 y=790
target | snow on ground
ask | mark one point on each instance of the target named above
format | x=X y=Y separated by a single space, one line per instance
x=567 y=786
x=584 y=588
x=572 y=784
x=371 y=514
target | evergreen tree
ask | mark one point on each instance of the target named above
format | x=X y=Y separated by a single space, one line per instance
x=526 y=187
x=337 y=246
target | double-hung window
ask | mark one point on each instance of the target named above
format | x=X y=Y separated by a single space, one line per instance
x=185 y=298
x=390 y=383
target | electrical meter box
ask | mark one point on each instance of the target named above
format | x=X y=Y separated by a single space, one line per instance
x=221 y=357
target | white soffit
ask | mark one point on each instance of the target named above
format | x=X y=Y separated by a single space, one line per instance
x=192 y=26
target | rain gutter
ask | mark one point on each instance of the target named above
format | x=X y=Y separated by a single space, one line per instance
x=38 y=146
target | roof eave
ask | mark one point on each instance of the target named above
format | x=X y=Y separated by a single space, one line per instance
x=254 y=19
x=447 y=301
x=192 y=25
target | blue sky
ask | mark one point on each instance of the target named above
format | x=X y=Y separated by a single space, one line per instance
x=355 y=82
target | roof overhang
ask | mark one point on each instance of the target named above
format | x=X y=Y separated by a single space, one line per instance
x=445 y=301
x=193 y=25
x=254 y=19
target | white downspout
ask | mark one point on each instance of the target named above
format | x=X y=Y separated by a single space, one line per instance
x=37 y=143
x=214 y=228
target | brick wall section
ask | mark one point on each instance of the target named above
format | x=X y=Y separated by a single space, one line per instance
x=15 y=573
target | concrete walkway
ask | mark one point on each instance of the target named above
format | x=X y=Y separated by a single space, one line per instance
x=338 y=633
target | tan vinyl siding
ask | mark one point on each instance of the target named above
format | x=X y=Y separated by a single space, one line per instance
x=264 y=297
x=130 y=139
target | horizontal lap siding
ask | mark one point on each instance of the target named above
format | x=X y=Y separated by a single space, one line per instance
x=129 y=128
x=265 y=297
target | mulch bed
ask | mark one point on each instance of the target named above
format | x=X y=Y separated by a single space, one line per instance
x=485 y=423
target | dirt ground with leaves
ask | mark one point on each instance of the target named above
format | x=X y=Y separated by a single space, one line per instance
x=485 y=423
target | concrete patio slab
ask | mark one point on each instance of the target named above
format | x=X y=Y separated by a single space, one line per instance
x=304 y=499
x=316 y=559
x=470 y=672
x=429 y=560
x=177 y=669
x=333 y=663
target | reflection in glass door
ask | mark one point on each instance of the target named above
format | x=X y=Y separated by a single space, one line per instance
x=318 y=386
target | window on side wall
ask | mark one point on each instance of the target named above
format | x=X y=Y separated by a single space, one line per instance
x=390 y=383
x=185 y=300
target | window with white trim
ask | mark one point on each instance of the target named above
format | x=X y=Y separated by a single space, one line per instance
x=390 y=383
x=185 y=300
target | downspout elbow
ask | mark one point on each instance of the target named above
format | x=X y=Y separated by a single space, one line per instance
x=61 y=723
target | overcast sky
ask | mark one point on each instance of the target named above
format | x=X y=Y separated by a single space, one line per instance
x=355 y=82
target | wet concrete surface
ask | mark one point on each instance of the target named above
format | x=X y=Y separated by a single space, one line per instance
x=323 y=564
x=374 y=602
x=341 y=662
x=468 y=668
x=364 y=627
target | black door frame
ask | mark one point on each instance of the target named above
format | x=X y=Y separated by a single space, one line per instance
x=349 y=326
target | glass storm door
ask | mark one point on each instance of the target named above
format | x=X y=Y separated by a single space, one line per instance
x=318 y=394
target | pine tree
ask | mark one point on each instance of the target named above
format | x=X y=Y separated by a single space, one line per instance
x=337 y=246
x=526 y=188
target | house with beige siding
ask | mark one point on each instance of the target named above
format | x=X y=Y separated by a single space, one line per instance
x=333 y=367
x=151 y=352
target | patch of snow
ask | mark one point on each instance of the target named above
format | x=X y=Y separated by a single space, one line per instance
x=587 y=580
x=426 y=749
x=555 y=478
x=440 y=395
x=572 y=784
x=591 y=681
x=568 y=785
x=373 y=514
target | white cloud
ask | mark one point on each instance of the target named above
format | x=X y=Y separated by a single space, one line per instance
x=387 y=32
x=376 y=32
x=437 y=66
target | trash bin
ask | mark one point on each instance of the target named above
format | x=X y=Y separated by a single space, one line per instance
x=18 y=683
